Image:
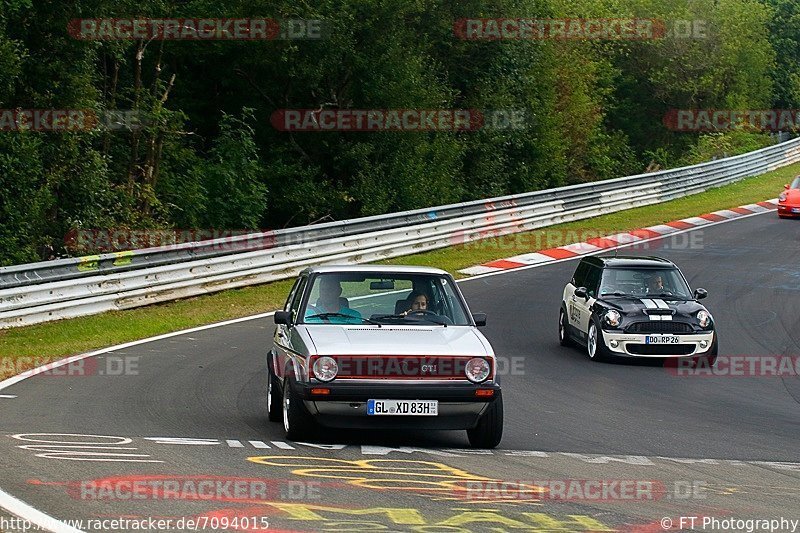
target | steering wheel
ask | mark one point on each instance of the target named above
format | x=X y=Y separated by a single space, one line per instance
x=422 y=312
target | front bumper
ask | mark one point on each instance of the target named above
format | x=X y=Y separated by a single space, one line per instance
x=788 y=210
x=346 y=404
x=635 y=345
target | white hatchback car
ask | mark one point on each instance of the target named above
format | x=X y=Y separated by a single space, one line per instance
x=382 y=347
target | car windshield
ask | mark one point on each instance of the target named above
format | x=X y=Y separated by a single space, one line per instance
x=406 y=299
x=667 y=283
x=796 y=183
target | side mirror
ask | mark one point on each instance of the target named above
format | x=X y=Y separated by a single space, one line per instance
x=283 y=317
x=786 y=186
x=581 y=292
x=479 y=318
x=700 y=293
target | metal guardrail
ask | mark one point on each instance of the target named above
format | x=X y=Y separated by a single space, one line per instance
x=51 y=290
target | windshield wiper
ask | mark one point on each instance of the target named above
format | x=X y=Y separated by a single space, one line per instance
x=618 y=293
x=324 y=316
x=413 y=318
x=666 y=295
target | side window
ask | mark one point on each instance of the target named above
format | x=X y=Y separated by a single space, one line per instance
x=592 y=281
x=579 y=279
x=297 y=297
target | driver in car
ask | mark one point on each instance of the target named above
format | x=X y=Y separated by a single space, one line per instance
x=419 y=302
x=330 y=301
x=655 y=285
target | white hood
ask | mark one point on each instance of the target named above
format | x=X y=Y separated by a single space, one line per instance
x=397 y=340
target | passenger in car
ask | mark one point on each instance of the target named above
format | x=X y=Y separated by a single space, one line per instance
x=330 y=300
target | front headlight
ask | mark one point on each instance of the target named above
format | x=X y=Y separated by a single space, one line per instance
x=477 y=369
x=612 y=318
x=782 y=197
x=703 y=318
x=325 y=368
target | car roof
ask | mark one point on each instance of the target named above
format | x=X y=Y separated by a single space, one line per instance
x=382 y=269
x=625 y=261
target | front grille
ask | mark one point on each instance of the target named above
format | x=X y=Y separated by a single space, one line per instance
x=660 y=349
x=399 y=367
x=667 y=326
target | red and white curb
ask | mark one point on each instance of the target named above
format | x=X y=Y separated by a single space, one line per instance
x=598 y=244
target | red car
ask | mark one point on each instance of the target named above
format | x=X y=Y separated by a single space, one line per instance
x=789 y=200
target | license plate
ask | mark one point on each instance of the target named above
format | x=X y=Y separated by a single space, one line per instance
x=403 y=407
x=661 y=339
x=796 y=210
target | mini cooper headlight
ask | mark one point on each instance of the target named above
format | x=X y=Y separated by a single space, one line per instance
x=703 y=318
x=612 y=318
x=477 y=369
x=325 y=368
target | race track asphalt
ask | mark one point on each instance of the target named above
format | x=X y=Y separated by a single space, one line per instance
x=566 y=417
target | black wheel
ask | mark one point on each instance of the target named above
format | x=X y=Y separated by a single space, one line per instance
x=297 y=421
x=489 y=431
x=274 y=396
x=563 y=329
x=595 y=345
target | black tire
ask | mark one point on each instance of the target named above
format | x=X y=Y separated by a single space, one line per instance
x=563 y=329
x=489 y=431
x=297 y=421
x=274 y=396
x=598 y=352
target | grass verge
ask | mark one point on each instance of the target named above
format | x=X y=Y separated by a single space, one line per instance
x=23 y=348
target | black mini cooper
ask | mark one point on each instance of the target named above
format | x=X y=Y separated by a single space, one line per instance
x=635 y=307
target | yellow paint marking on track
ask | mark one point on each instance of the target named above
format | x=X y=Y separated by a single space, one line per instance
x=394 y=474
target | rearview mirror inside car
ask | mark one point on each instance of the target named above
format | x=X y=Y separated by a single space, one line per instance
x=384 y=285
x=700 y=293
x=479 y=318
x=283 y=317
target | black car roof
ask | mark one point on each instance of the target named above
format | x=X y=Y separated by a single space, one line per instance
x=624 y=261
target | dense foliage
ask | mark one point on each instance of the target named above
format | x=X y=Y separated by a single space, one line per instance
x=206 y=155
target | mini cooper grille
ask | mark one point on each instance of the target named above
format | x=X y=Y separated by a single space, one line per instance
x=401 y=367
x=667 y=326
x=660 y=349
